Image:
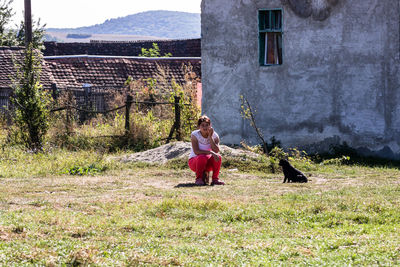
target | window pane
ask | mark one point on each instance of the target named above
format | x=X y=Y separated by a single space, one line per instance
x=273 y=20
x=277 y=20
x=267 y=20
x=273 y=48
x=261 y=20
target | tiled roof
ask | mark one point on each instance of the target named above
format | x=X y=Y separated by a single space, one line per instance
x=11 y=55
x=74 y=71
x=178 y=48
x=7 y=69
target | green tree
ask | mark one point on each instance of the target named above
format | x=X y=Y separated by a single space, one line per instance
x=153 y=52
x=38 y=34
x=30 y=101
x=16 y=37
x=6 y=14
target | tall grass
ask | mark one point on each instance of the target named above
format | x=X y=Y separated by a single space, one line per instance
x=150 y=125
x=108 y=133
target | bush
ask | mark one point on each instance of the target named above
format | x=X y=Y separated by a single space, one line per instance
x=30 y=102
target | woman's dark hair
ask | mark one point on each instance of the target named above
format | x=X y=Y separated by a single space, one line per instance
x=203 y=118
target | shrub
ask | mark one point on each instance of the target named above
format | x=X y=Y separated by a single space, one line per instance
x=153 y=52
x=30 y=102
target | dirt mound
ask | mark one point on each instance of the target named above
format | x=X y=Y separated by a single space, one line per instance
x=179 y=150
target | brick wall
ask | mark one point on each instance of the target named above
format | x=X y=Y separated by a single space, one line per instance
x=178 y=48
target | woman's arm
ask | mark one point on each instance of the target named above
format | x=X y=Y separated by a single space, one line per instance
x=196 y=149
x=214 y=143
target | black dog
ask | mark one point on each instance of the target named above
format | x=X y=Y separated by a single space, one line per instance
x=292 y=175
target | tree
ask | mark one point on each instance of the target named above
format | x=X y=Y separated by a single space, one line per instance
x=248 y=113
x=37 y=34
x=31 y=101
x=16 y=37
x=6 y=14
x=153 y=52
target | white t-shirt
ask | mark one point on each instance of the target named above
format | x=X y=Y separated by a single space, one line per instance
x=204 y=143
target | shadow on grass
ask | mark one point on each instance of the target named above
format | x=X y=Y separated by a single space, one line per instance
x=350 y=156
x=187 y=185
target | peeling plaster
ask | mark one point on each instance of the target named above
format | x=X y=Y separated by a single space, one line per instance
x=319 y=10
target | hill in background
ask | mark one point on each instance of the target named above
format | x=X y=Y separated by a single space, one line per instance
x=157 y=24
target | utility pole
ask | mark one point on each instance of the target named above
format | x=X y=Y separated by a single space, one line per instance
x=28 y=23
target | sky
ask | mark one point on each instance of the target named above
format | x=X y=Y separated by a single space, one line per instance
x=77 y=13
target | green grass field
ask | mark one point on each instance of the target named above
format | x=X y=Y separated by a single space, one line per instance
x=132 y=214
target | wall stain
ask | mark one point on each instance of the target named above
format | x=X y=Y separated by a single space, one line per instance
x=319 y=10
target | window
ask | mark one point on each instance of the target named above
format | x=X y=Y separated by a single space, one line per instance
x=270 y=36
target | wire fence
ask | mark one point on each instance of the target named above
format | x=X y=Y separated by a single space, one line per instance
x=88 y=101
x=176 y=127
x=5 y=98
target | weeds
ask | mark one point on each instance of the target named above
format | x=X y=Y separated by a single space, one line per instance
x=150 y=123
x=15 y=162
x=92 y=169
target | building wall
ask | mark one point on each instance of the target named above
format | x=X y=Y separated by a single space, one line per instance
x=339 y=80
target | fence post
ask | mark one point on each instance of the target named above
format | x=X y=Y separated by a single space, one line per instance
x=68 y=112
x=54 y=91
x=178 y=119
x=87 y=88
x=129 y=100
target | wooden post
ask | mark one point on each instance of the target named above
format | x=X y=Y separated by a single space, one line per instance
x=28 y=23
x=129 y=100
x=177 y=123
x=68 y=113
x=68 y=120
x=84 y=115
x=178 y=119
x=54 y=91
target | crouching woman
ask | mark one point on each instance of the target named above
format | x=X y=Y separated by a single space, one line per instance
x=204 y=156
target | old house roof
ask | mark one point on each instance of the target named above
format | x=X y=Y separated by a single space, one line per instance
x=178 y=48
x=9 y=56
x=110 y=71
x=74 y=71
x=6 y=64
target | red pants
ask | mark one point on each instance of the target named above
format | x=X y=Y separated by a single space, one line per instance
x=202 y=163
